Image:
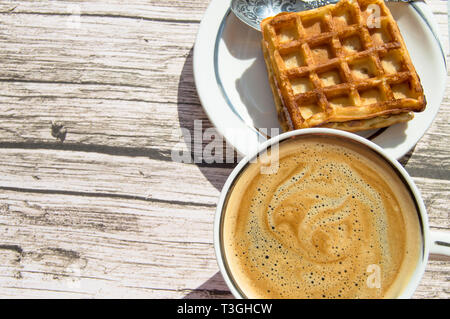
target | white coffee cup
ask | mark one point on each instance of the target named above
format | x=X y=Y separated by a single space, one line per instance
x=433 y=242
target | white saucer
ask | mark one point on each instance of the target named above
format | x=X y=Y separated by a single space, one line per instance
x=233 y=88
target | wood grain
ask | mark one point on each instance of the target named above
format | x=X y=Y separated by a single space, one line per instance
x=108 y=213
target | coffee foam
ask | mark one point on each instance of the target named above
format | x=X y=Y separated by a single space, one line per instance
x=312 y=229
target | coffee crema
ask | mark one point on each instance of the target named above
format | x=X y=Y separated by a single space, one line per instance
x=334 y=221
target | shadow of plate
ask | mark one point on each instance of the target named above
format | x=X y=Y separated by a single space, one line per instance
x=214 y=288
x=197 y=128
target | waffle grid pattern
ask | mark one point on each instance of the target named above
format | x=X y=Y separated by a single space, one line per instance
x=341 y=63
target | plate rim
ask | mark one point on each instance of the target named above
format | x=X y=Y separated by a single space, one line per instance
x=231 y=125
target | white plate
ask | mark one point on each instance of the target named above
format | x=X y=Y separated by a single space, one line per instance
x=231 y=79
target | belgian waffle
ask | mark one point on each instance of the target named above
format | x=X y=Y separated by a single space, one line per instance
x=342 y=66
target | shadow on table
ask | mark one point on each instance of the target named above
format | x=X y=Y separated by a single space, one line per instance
x=405 y=158
x=194 y=122
x=215 y=287
x=197 y=127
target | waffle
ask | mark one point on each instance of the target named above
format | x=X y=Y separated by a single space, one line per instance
x=337 y=66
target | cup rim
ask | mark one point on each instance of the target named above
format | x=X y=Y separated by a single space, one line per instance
x=409 y=290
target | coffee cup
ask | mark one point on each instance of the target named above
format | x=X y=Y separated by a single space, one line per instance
x=350 y=224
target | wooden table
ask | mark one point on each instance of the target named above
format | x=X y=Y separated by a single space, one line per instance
x=107 y=213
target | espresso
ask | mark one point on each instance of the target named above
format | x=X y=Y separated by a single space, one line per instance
x=333 y=221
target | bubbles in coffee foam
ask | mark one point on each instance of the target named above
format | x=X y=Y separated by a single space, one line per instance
x=310 y=227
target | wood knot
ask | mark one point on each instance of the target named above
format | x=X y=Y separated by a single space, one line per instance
x=58 y=131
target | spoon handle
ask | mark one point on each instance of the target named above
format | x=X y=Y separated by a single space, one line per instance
x=302 y=5
x=320 y=3
x=252 y=12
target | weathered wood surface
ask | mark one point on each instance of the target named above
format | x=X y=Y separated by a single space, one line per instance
x=107 y=213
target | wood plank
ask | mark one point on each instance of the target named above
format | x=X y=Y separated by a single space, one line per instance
x=435 y=283
x=435 y=194
x=141 y=177
x=104 y=50
x=184 y=11
x=94 y=174
x=109 y=247
x=124 y=118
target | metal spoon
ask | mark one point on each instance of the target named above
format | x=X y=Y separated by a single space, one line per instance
x=252 y=12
